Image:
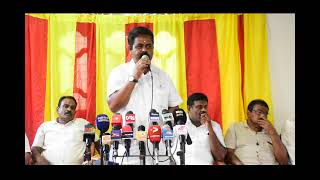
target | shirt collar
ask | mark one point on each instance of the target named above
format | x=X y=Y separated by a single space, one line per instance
x=70 y=122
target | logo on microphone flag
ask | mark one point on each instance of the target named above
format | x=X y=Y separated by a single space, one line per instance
x=167 y=134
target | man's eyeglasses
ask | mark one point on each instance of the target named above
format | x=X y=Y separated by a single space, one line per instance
x=258 y=112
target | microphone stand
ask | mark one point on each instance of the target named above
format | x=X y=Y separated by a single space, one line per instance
x=168 y=144
x=142 y=156
x=182 y=151
x=101 y=150
x=87 y=153
x=156 y=152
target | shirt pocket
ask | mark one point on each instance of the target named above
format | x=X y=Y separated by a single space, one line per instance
x=74 y=135
x=161 y=96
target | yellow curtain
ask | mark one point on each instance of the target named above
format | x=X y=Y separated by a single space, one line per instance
x=60 y=62
x=256 y=75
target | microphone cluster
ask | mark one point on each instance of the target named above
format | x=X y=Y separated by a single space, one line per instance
x=173 y=125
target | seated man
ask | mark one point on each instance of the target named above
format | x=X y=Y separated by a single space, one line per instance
x=288 y=138
x=207 y=146
x=60 y=142
x=27 y=156
x=255 y=141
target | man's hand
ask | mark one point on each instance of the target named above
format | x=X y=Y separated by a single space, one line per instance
x=267 y=126
x=205 y=119
x=142 y=66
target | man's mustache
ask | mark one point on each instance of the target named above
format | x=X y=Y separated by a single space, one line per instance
x=68 y=112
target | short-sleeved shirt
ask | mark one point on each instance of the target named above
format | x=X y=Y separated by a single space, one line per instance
x=252 y=148
x=62 y=143
x=164 y=95
x=164 y=92
x=199 y=152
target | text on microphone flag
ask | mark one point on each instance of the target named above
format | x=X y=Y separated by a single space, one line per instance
x=130 y=118
x=181 y=129
x=116 y=134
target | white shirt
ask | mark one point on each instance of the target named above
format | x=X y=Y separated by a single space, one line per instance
x=288 y=138
x=164 y=95
x=198 y=153
x=26 y=143
x=62 y=143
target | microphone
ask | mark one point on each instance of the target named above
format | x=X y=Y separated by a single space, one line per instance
x=154 y=117
x=127 y=136
x=102 y=122
x=145 y=56
x=130 y=119
x=167 y=118
x=167 y=137
x=154 y=133
x=88 y=138
x=117 y=120
x=115 y=138
x=105 y=141
x=141 y=136
x=180 y=118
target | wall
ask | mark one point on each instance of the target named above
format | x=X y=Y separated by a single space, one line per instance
x=281 y=31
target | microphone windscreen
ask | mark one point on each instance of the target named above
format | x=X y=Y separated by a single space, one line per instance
x=102 y=122
x=141 y=128
x=145 y=56
x=165 y=111
x=126 y=128
x=180 y=117
x=129 y=112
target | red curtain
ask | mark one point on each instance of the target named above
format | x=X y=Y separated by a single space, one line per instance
x=202 y=64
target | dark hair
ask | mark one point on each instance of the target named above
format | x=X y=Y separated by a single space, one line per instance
x=137 y=31
x=67 y=97
x=257 y=101
x=196 y=97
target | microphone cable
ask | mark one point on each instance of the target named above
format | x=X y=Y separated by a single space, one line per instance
x=125 y=154
x=149 y=149
x=151 y=88
x=176 y=143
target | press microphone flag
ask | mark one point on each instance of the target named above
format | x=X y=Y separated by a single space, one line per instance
x=141 y=136
x=89 y=133
x=180 y=118
x=116 y=138
x=167 y=118
x=154 y=117
x=127 y=136
x=88 y=138
x=167 y=133
x=102 y=122
x=117 y=120
x=130 y=119
x=154 y=133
